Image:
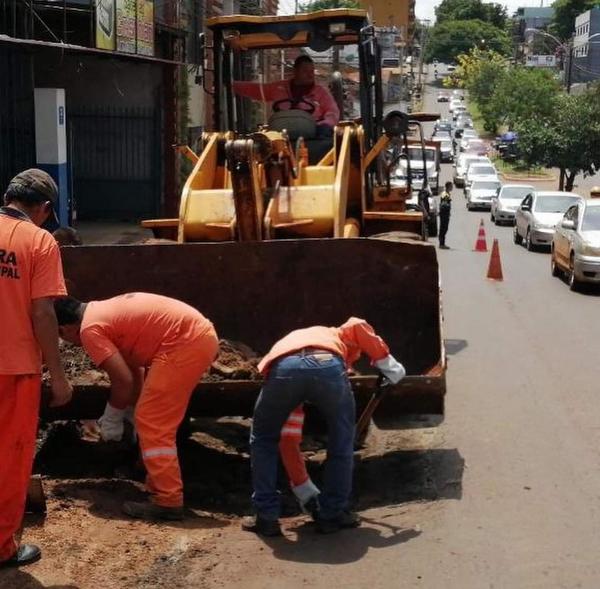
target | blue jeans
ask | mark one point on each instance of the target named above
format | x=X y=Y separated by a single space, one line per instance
x=292 y=380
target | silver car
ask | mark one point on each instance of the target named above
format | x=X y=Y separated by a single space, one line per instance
x=507 y=201
x=463 y=162
x=576 y=244
x=537 y=216
x=481 y=193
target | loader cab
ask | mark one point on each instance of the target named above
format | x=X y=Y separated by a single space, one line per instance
x=241 y=43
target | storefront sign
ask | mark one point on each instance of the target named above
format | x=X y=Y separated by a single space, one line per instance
x=105 y=24
x=145 y=27
x=126 y=25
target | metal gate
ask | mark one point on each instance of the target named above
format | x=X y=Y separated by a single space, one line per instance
x=17 y=119
x=116 y=162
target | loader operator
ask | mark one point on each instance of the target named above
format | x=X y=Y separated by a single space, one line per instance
x=299 y=92
x=30 y=277
x=176 y=345
x=310 y=365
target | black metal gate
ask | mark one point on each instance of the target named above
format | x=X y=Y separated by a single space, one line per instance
x=116 y=162
x=17 y=119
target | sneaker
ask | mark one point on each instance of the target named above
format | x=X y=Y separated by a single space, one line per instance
x=151 y=511
x=347 y=519
x=26 y=554
x=261 y=526
x=444 y=247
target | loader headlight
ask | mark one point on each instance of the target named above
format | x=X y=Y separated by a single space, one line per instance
x=335 y=28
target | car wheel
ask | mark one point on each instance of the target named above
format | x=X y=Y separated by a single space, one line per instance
x=516 y=237
x=553 y=265
x=528 y=243
x=573 y=282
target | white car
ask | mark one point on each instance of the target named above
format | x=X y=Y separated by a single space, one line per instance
x=463 y=162
x=480 y=171
x=507 y=202
x=481 y=193
x=467 y=134
x=538 y=214
x=575 y=246
x=454 y=103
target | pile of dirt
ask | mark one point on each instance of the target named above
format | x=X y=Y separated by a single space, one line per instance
x=235 y=361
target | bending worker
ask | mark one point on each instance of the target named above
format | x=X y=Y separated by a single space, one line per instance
x=311 y=365
x=300 y=92
x=176 y=345
x=30 y=277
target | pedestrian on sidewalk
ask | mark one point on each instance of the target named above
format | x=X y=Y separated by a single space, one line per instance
x=445 y=208
x=30 y=277
x=171 y=344
x=311 y=365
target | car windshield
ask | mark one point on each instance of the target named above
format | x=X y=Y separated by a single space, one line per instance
x=515 y=192
x=477 y=170
x=591 y=219
x=468 y=161
x=415 y=153
x=485 y=186
x=554 y=203
x=446 y=144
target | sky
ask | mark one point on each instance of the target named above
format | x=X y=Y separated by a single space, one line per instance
x=425 y=8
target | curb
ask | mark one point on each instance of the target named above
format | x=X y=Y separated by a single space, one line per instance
x=512 y=178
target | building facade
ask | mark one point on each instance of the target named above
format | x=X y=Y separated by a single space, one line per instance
x=586 y=50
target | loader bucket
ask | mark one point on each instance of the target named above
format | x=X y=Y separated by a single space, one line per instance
x=257 y=292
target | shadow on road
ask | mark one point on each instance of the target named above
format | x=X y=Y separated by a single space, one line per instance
x=455 y=346
x=347 y=546
x=16 y=579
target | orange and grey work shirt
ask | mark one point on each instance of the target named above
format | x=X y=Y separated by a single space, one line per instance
x=349 y=341
x=140 y=326
x=30 y=268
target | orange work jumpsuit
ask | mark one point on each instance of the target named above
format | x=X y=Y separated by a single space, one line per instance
x=30 y=268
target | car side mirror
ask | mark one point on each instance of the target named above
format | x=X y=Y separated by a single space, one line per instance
x=568 y=224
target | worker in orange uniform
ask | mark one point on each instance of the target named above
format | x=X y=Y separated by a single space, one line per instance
x=30 y=277
x=176 y=345
x=311 y=365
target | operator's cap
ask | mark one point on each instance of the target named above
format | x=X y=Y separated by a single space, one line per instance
x=41 y=183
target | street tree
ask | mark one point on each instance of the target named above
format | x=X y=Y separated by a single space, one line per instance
x=565 y=11
x=567 y=139
x=327 y=5
x=470 y=10
x=449 y=39
x=520 y=94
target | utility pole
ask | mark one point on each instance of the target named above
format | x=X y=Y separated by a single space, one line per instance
x=570 y=67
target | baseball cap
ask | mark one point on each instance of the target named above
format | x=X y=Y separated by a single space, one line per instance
x=42 y=184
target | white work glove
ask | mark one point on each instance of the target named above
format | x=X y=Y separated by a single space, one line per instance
x=391 y=369
x=111 y=424
x=305 y=492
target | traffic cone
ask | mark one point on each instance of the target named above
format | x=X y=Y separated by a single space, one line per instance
x=495 y=267
x=481 y=244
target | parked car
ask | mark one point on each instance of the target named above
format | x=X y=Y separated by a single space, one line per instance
x=507 y=201
x=537 y=216
x=481 y=193
x=443 y=97
x=480 y=171
x=575 y=248
x=463 y=161
x=446 y=149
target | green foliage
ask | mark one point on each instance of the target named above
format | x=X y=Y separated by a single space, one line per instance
x=327 y=5
x=449 y=39
x=492 y=13
x=565 y=11
x=568 y=138
x=520 y=94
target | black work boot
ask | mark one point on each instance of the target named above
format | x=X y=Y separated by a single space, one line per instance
x=151 y=511
x=261 y=526
x=347 y=519
x=26 y=554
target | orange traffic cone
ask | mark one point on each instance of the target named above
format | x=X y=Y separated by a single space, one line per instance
x=481 y=244
x=495 y=267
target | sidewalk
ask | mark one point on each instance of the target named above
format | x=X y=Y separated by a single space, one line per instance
x=111 y=232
